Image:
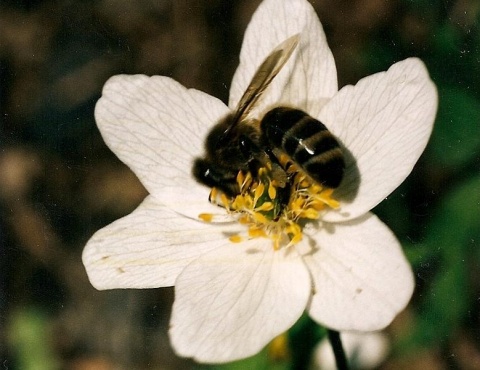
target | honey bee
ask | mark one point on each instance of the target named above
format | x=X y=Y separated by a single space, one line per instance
x=239 y=143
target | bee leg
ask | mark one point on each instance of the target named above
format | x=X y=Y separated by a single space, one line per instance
x=265 y=157
x=249 y=151
x=283 y=197
x=278 y=171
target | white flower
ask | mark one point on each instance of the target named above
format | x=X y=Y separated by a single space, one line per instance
x=231 y=299
x=363 y=350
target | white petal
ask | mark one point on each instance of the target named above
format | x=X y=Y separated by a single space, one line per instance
x=385 y=122
x=157 y=126
x=147 y=248
x=232 y=301
x=308 y=78
x=361 y=277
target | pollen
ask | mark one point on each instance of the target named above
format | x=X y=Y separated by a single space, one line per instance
x=268 y=210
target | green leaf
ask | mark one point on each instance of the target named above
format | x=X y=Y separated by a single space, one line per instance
x=457 y=218
x=28 y=334
x=445 y=304
x=304 y=336
x=257 y=362
x=261 y=361
x=447 y=39
x=456 y=135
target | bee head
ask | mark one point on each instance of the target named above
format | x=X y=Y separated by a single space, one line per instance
x=223 y=144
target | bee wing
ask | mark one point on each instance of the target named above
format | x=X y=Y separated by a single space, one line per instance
x=267 y=71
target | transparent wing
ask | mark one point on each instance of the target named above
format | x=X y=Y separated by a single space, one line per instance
x=267 y=71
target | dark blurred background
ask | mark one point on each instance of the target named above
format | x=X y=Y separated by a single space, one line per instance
x=59 y=183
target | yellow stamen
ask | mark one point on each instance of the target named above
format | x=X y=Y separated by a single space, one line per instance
x=240 y=179
x=273 y=212
x=258 y=192
x=272 y=191
x=239 y=202
x=255 y=233
x=235 y=239
x=258 y=217
x=245 y=219
x=224 y=200
x=310 y=214
x=248 y=180
x=276 y=243
x=304 y=184
x=206 y=217
x=296 y=238
x=331 y=202
x=267 y=206
x=213 y=195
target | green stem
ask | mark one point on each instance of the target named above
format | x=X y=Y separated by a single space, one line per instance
x=336 y=342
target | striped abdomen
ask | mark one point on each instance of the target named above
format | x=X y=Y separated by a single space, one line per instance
x=308 y=143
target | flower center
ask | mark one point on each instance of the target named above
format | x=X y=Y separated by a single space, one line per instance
x=271 y=211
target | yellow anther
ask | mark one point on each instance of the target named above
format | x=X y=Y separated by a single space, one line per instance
x=276 y=243
x=293 y=228
x=328 y=192
x=292 y=169
x=283 y=159
x=310 y=213
x=248 y=178
x=304 y=184
x=238 y=203
x=248 y=202
x=240 y=179
x=224 y=200
x=235 y=239
x=332 y=203
x=267 y=206
x=206 y=217
x=256 y=232
x=213 y=195
x=296 y=238
x=272 y=191
x=297 y=205
x=258 y=192
x=318 y=205
x=245 y=219
x=264 y=215
x=258 y=217
x=325 y=197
